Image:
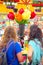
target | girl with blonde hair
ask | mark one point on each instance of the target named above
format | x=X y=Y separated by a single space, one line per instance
x=13 y=49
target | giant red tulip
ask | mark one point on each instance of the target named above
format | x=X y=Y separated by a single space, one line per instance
x=11 y=15
x=21 y=10
x=33 y=14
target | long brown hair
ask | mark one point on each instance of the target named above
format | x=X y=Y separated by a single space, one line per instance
x=35 y=32
x=9 y=34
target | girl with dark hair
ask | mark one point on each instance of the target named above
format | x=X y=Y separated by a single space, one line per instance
x=35 y=40
x=35 y=32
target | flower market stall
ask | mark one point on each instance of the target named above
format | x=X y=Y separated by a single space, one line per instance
x=21 y=14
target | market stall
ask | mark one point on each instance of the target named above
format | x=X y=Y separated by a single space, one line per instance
x=21 y=14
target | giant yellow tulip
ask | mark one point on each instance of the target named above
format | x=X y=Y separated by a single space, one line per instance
x=26 y=15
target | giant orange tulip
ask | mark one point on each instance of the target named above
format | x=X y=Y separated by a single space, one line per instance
x=18 y=17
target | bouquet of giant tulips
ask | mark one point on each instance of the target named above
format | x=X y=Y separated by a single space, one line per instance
x=22 y=16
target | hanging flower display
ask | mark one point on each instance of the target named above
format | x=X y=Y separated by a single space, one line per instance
x=11 y=15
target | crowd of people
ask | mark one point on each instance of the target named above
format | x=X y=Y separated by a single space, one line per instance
x=13 y=48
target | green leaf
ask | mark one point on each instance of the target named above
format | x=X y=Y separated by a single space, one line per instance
x=22 y=22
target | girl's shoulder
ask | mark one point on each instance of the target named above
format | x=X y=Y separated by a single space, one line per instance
x=31 y=42
x=35 y=42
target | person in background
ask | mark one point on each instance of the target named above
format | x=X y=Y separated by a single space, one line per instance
x=13 y=49
x=35 y=40
x=1 y=54
x=22 y=41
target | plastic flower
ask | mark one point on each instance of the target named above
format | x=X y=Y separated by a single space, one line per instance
x=26 y=15
x=18 y=17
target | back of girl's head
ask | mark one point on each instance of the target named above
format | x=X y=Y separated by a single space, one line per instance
x=9 y=34
x=35 y=32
